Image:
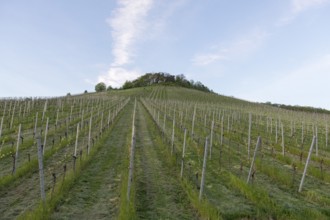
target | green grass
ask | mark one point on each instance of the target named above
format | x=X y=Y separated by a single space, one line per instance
x=204 y=208
x=280 y=176
x=271 y=195
x=44 y=209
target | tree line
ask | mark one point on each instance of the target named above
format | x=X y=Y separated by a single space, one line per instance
x=300 y=108
x=161 y=78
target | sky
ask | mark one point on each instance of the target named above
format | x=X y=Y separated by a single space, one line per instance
x=257 y=50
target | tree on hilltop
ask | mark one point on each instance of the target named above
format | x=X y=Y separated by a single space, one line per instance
x=164 y=79
x=100 y=87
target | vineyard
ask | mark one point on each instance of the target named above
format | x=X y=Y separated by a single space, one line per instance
x=161 y=152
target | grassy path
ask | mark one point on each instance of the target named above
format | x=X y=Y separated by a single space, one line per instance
x=96 y=192
x=158 y=189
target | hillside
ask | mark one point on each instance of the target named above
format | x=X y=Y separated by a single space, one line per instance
x=166 y=79
x=161 y=152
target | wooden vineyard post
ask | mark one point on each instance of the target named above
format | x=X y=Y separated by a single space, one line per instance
x=9 y=110
x=75 y=149
x=24 y=110
x=45 y=139
x=44 y=111
x=221 y=137
x=254 y=157
x=41 y=170
x=249 y=137
x=35 y=124
x=276 y=131
x=183 y=152
x=56 y=121
x=71 y=114
x=131 y=159
x=172 y=140
x=306 y=164
x=89 y=135
x=82 y=119
x=109 y=117
x=283 y=150
x=203 y=171
x=193 y=122
x=1 y=126
x=76 y=143
x=16 y=154
x=101 y=123
x=181 y=118
x=20 y=112
x=302 y=133
x=12 y=116
x=211 y=138
x=316 y=142
x=326 y=135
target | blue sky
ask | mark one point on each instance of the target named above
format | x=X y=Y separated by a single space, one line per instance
x=258 y=50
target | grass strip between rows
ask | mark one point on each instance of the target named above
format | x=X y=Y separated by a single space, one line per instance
x=204 y=207
x=44 y=209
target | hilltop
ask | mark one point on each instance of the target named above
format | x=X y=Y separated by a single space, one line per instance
x=161 y=78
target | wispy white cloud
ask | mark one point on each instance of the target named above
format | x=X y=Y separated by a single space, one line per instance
x=131 y=23
x=299 y=6
x=242 y=46
x=127 y=24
